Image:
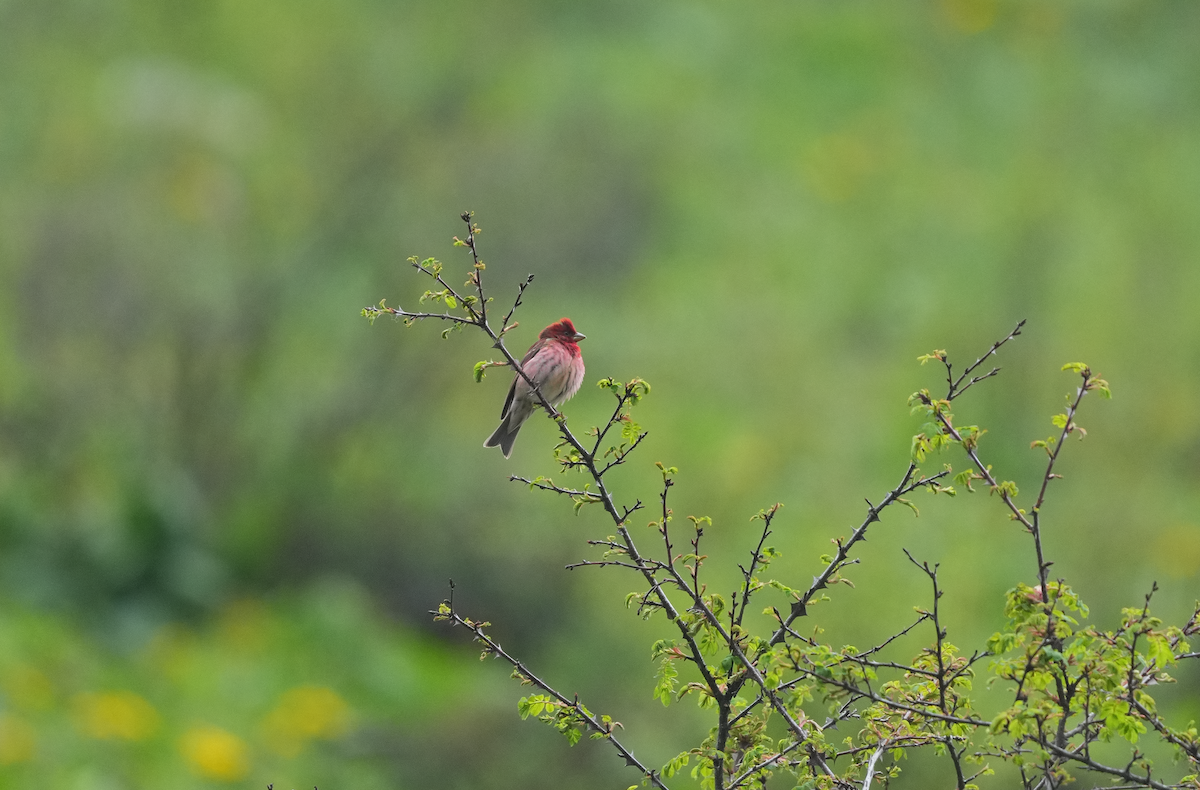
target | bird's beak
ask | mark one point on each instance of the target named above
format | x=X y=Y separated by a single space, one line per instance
x=579 y=336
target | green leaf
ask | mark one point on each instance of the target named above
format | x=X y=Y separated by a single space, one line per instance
x=938 y=354
x=1006 y=487
x=1001 y=643
x=661 y=648
x=788 y=591
x=1160 y=651
x=677 y=763
x=533 y=705
x=920 y=447
x=965 y=477
x=665 y=686
x=709 y=639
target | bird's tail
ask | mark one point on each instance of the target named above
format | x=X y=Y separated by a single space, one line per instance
x=504 y=435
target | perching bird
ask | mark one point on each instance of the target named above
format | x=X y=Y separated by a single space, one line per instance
x=555 y=365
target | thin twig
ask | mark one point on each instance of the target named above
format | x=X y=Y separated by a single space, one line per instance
x=593 y=723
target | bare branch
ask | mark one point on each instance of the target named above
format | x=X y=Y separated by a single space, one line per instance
x=595 y=724
x=956 y=386
x=800 y=607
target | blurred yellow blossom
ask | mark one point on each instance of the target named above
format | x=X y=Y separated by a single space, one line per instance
x=305 y=713
x=28 y=687
x=115 y=715
x=18 y=742
x=215 y=753
x=970 y=16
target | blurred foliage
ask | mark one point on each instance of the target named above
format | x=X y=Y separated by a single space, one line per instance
x=309 y=685
x=769 y=215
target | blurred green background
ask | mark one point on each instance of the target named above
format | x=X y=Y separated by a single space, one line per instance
x=227 y=502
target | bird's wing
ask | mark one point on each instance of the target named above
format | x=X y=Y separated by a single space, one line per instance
x=532 y=352
x=512 y=390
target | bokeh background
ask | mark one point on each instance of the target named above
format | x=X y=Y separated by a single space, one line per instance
x=227 y=502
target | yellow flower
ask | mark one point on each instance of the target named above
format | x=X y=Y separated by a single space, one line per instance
x=113 y=715
x=305 y=713
x=215 y=753
x=18 y=742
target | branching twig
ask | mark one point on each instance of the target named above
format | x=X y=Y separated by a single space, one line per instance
x=800 y=606
x=595 y=724
x=929 y=703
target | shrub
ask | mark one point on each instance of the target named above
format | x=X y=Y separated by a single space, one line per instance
x=1070 y=685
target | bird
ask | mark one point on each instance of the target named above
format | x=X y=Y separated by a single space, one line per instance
x=555 y=365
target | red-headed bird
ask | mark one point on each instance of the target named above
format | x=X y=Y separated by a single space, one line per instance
x=555 y=365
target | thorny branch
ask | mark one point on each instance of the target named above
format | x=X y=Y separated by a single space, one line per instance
x=599 y=725
x=822 y=580
x=926 y=705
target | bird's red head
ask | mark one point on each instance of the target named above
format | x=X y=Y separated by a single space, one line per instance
x=563 y=330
